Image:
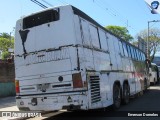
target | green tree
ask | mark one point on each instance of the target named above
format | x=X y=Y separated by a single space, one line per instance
x=6 y=42
x=154 y=40
x=5 y=55
x=121 y=32
x=5 y=35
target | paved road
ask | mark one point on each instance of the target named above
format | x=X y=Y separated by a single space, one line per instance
x=150 y=101
x=8 y=104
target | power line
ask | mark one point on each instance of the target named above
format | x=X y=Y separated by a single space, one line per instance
x=108 y=10
x=40 y=4
x=47 y=3
x=100 y=3
x=112 y=12
x=115 y=11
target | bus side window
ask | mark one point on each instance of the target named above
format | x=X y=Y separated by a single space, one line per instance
x=136 y=51
x=143 y=56
x=129 y=51
x=125 y=49
x=135 y=54
x=140 y=54
x=85 y=32
x=121 y=48
x=103 y=39
x=94 y=36
x=132 y=52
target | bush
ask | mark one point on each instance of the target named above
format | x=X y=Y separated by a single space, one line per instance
x=5 y=55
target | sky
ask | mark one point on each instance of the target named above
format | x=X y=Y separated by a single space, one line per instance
x=133 y=14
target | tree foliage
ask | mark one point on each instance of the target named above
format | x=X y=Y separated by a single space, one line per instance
x=6 y=42
x=154 y=40
x=5 y=55
x=121 y=32
x=5 y=35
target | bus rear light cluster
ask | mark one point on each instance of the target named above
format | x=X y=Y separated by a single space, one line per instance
x=17 y=86
x=77 y=80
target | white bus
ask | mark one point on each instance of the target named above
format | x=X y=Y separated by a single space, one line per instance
x=66 y=60
x=153 y=73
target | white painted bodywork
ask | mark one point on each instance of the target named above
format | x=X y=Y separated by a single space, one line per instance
x=153 y=73
x=78 y=46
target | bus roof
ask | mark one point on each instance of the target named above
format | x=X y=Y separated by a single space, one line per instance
x=85 y=16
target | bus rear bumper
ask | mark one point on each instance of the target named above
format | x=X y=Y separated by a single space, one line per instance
x=51 y=103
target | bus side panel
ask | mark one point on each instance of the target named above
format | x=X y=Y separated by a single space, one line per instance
x=117 y=54
x=106 y=90
x=112 y=52
x=101 y=61
x=87 y=53
x=100 y=90
x=78 y=29
x=137 y=76
x=18 y=48
x=86 y=40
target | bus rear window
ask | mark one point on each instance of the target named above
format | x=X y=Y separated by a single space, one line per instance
x=40 y=18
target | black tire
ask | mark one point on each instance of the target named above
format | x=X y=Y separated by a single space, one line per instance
x=154 y=81
x=145 y=85
x=116 y=97
x=126 y=94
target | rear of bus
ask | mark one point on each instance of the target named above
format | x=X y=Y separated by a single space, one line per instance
x=46 y=62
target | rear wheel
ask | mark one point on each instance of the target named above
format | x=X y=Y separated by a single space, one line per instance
x=116 y=96
x=126 y=94
x=145 y=85
x=154 y=81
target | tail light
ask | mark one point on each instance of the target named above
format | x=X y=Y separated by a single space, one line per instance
x=77 y=80
x=17 y=86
